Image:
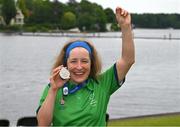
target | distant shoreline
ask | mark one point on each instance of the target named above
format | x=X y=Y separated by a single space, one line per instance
x=85 y=35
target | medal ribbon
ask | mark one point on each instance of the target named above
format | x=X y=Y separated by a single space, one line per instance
x=67 y=91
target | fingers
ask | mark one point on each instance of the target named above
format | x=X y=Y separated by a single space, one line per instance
x=55 y=73
x=121 y=12
x=57 y=69
x=55 y=80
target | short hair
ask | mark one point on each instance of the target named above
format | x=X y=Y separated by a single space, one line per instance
x=96 y=64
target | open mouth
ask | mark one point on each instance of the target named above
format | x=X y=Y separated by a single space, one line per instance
x=78 y=73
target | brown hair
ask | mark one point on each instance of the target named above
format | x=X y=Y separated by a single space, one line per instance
x=96 y=65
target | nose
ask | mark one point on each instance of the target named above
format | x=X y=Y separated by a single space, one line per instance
x=79 y=65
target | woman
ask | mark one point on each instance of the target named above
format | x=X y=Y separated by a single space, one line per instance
x=82 y=98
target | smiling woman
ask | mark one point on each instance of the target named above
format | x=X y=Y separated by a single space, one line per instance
x=82 y=98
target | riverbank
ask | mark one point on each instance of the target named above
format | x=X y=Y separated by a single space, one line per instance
x=96 y=35
x=168 y=35
x=165 y=119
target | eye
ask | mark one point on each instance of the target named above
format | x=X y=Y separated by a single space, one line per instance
x=73 y=61
x=85 y=61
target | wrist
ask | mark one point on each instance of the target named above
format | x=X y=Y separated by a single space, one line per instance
x=126 y=27
x=53 y=90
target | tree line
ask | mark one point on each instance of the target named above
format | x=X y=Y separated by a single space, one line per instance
x=45 y=15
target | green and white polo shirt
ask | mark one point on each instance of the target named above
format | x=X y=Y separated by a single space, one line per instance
x=87 y=106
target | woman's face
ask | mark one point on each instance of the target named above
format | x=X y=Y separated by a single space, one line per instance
x=79 y=64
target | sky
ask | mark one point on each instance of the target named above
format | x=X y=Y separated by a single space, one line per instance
x=140 y=6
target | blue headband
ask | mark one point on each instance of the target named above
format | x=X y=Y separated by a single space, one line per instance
x=78 y=44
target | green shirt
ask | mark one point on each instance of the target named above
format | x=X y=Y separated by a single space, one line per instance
x=87 y=106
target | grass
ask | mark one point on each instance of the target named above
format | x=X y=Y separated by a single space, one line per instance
x=171 y=119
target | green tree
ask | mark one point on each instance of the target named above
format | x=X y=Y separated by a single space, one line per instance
x=22 y=5
x=42 y=12
x=100 y=17
x=68 y=20
x=91 y=17
x=85 y=19
x=110 y=16
x=85 y=22
x=72 y=6
x=58 y=11
x=8 y=10
x=29 y=4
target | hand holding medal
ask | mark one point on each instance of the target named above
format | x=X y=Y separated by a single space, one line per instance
x=59 y=77
x=64 y=73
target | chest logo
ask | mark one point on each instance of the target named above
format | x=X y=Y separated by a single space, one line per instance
x=93 y=101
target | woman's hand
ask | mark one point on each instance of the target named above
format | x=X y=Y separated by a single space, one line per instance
x=123 y=17
x=55 y=80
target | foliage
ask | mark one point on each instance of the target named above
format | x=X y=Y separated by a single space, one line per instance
x=85 y=18
x=100 y=18
x=156 y=20
x=21 y=5
x=10 y=29
x=91 y=17
x=115 y=27
x=85 y=15
x=42 y=12
x=68 y=20
x=8 y=10
x=110 y=16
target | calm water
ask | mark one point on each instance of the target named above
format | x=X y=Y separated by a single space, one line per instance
x=152 y=85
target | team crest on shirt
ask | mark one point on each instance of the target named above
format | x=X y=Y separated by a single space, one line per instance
x=93 y=101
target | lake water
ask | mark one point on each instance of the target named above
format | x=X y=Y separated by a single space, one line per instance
x=152 y=85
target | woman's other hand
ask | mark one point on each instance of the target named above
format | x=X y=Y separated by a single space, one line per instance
x=123 y=17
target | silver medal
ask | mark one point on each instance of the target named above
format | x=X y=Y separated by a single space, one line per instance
x=64 y=73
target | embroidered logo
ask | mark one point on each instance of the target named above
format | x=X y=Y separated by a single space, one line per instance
x=93 y=102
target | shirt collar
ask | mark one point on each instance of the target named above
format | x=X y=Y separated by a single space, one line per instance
x=91 y=83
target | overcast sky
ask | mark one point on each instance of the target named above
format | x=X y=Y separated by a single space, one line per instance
x=141 y=6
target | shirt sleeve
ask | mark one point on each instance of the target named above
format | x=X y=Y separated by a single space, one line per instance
x=110 y=80
x=43 y=97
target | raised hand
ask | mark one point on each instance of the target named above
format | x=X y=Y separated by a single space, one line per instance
x=123 y=17
x=55 y=80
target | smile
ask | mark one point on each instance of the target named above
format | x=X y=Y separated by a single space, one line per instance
x=78 y=73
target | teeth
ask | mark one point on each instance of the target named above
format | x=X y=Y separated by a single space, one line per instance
x=78 y=73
